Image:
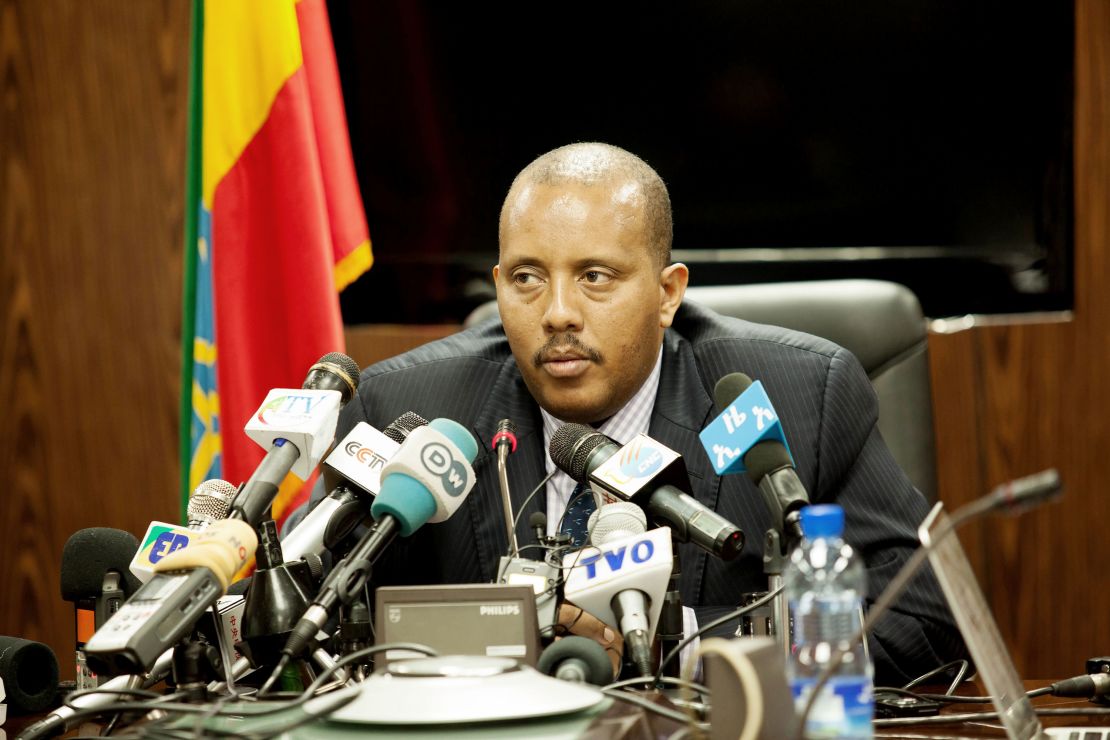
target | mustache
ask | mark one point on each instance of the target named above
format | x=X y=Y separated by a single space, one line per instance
x=566 y=341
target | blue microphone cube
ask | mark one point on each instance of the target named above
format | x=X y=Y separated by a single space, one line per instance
x=748 y=420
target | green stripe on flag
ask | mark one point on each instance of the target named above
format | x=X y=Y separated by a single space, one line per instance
x=192 y=211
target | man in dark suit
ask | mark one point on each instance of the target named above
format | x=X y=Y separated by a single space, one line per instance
x=593 y=330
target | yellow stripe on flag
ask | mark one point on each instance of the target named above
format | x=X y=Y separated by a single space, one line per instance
x=251 y=47
x=351 y=267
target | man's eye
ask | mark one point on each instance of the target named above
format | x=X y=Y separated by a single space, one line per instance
x=596 y=276
x=525 y=278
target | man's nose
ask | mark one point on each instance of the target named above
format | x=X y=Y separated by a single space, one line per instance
x=563 y=312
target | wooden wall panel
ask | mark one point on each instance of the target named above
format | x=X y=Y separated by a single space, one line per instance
x=91 y=190
x=1011 y=400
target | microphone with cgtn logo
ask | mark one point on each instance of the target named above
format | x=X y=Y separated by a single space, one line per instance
x=649 y=474
x=747 y=424
x=163 y=610
x=358 y=459
x=426 y=481
x=295 y=427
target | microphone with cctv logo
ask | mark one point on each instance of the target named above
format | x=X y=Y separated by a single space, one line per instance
x=650 y=475
x=358 y=460
x=296 y=428
x=426 y=481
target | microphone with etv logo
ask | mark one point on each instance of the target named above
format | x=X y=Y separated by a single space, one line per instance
x=295 y=427
x=163 y=610
x=95 y=577
x=426 y=481
x=358 y=461
x=650 y=475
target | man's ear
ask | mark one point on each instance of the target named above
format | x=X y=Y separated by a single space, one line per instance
x=672 y=284
x=496 y=272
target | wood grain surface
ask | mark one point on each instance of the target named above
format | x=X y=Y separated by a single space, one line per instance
x=1011 y=400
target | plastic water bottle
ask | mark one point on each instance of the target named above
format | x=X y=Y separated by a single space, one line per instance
x=825 y=584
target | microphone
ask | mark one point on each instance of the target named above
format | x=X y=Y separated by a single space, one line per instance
x=622 y=581
x=358 y=459
x=537 y=522
x=576 y=659
x=95 y=577
x=162 y=611
x=209 y=503
x=766 y=458
x=296 y=428
x=648 y=474
x=504 y=443
x=425 y=481
x=29 y=674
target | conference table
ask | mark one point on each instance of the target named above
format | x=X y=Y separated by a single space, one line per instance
x=626 y=721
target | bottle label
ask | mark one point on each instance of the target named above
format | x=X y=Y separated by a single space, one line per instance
x=844 y=708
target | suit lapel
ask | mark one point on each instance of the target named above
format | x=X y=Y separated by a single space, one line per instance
x=682 y=409
x=508 y=399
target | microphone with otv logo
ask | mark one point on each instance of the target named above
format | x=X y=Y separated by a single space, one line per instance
x=621 y=579
x=426 y=481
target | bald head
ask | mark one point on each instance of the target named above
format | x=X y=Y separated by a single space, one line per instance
x=630 y=180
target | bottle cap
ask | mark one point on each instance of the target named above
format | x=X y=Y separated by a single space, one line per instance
x=826 y=520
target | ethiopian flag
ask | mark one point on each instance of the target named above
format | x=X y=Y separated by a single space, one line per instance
x=274 y=228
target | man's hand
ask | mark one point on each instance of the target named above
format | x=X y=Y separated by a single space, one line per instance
x=573 y=620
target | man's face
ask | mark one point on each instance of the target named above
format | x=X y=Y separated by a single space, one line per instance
x=583 y=298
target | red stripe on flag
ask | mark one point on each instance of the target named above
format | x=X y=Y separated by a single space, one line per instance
x=348 y=220
x=276 y=309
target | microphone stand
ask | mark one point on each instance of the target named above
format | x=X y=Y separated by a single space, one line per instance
x=670 y=630
x=774 y=560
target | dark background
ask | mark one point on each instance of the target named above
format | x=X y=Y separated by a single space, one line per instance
x=940 y=129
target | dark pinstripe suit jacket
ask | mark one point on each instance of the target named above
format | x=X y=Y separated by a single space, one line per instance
x=828 y=411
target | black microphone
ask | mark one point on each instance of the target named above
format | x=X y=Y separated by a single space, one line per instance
x=334 y=371
x=581 y=452
x=97 y=579
x=538 y=523
x=28 y=674
x=576 y=659
x=769 y=466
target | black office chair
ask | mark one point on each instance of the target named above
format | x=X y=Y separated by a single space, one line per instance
x=879 y=322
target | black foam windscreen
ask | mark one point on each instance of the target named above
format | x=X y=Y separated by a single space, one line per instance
x=728 y=388
x=89 y=554
x=30 y=674
x=598 y=669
